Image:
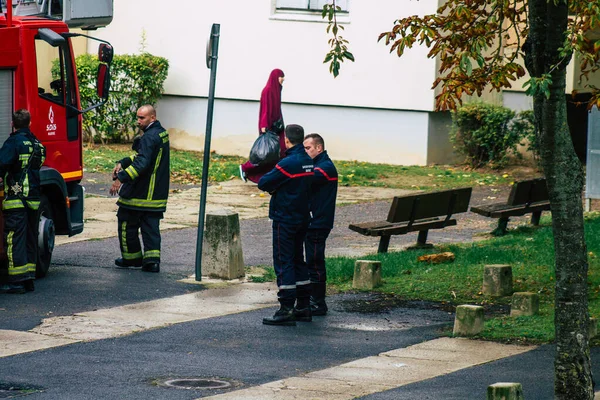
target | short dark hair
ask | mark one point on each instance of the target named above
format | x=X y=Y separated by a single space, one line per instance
x=294 y=133
x=21 y=119
x=318 y=139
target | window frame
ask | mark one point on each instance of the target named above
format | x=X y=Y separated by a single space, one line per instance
x=307 y=15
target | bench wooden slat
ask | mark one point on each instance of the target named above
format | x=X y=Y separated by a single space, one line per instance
x=380 y=228
x=402 y=228
x=431 y=204
x=530 y=191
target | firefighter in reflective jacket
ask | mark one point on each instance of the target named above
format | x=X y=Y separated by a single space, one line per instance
x=142 y=182
x=21 y=157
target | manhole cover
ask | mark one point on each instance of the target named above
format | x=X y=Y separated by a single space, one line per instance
x=197 y=383
x=10 y=390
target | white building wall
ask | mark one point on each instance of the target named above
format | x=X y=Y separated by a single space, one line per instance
x=385 y=99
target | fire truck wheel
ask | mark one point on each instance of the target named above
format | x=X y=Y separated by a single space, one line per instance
x=46 y=235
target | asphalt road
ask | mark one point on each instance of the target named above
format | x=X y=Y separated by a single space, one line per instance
x=236 y=348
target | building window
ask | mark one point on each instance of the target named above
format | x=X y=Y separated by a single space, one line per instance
x=308 y=10
x=309 y=5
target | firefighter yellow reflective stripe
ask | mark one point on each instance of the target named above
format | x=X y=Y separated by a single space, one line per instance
x=131 y=172
x=143 y=203
x=9 y=250
x=165 y=136
x=31 y=267
x=124 y=237
x=152 y=254
x=12 y=204
x=153 y=176
x=26 y=186
x=132 y=157
x=33 y=204
x=132 y=256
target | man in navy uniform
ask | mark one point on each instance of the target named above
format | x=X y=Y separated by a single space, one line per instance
x=289 y=184
x=21 y=158
x=323 y=194
x=142 y=182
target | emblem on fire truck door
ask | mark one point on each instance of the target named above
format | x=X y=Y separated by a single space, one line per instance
x=51 y=127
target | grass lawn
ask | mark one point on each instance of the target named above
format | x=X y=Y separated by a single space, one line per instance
x=528 y=250
x=186 y=167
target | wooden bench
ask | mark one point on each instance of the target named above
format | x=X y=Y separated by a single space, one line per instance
x=526 y=197
x=417 y=212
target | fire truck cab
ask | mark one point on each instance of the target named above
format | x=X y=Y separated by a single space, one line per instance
x=37 y=72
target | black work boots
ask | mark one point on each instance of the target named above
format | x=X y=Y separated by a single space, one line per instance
x=317 y=298
x=318 y=307
x=284 y=316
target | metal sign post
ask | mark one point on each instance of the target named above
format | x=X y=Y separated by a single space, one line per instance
x=212 y=51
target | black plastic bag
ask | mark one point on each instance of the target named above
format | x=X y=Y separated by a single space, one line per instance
x=265 y=149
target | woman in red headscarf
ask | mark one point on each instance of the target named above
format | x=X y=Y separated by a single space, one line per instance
x=269 y=118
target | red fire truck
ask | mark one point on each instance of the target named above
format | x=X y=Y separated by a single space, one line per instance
x=33 y=33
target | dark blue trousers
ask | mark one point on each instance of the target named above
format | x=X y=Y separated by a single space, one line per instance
x=314 y=245
x=288 y=260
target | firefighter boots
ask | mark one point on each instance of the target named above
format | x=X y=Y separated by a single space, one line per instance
x=284 y=316
x=121 y=263
x=151 y=267
x=318 y=306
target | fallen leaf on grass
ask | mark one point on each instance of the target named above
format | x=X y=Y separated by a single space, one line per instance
x=437 y=258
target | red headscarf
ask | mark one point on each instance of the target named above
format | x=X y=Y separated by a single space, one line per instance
x=270 y=101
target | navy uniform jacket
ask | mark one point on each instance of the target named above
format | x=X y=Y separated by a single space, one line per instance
x=289 y=184
x=145 y=175
x=323 y=193
x=21 y=157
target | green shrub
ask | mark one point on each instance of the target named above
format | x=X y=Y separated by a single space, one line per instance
x=484 y=134
x=135 y=80
x=524 y=123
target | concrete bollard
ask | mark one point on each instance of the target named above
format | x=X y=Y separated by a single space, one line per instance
x=497 y=280
x=593 y=327
x=468 y=320
x=524 y=303
x=222 y=255
x=505 y=391
x=367 y=274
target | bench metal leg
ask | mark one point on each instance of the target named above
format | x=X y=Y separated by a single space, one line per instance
x=535 y=218
x=384 y=243
x=422 y=238
x=421 y=242
x=502 y=225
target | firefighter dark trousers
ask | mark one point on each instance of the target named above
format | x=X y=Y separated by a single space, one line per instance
x=20 y=242
x=288 y=260
x=314 y=245
x=131 y=222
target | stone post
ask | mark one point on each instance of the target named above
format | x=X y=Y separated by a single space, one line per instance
x=222 y=255
x=367 y=274
x=468 y=320
x=524 y=303
x=505 y=391
x=497 y=280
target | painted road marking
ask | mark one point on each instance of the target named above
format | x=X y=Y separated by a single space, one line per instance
x=131 y=318
x=383 y=372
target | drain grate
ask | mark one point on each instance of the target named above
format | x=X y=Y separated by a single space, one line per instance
x=197 y=383
x=10 y=390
